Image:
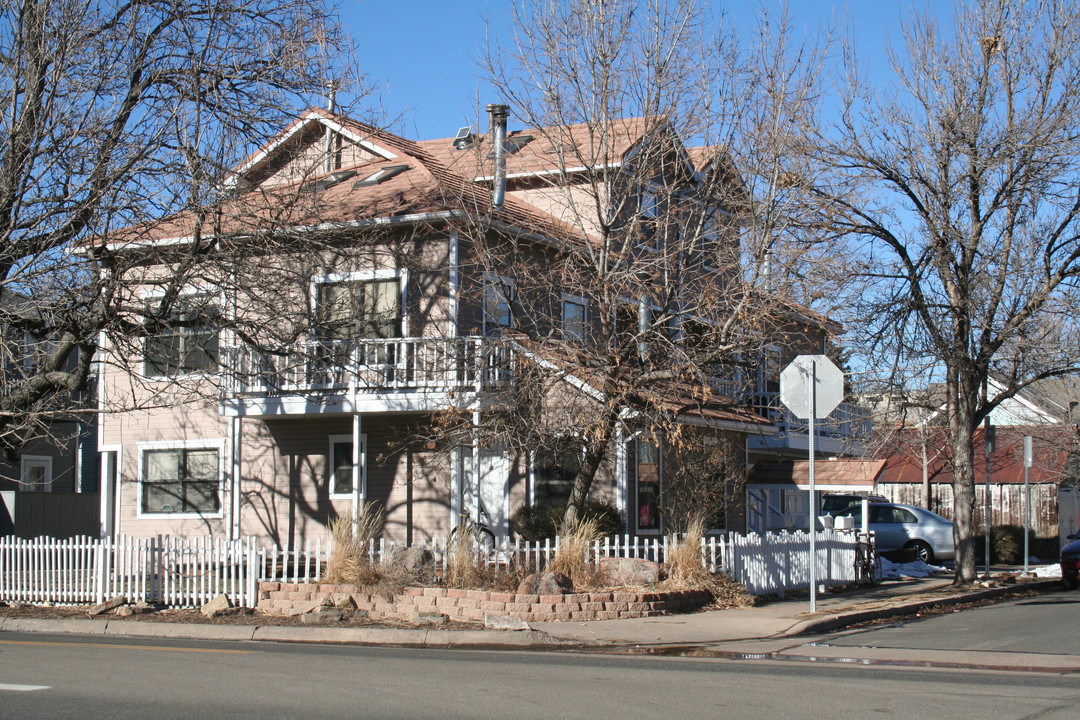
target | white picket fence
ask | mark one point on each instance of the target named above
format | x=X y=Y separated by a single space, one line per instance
x=189 y=572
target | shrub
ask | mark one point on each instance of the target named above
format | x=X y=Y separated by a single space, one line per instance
x=572 y=559
x=1007 y=544
x=350 y=561
x=537 y=522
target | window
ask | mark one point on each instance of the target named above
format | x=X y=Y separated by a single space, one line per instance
x=553 y=475
x=352 y=309
x=647 y=476
x=185 y=340
x=649 y=210
x=498 y=304
x=340 y=465
x=181 y=481
x=35 y=473
x=709 y=241
x=574 y=318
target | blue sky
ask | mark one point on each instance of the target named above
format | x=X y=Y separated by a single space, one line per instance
x=422 y=54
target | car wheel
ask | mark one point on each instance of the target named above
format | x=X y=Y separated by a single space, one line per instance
x=922 y=551
x=1070 y=581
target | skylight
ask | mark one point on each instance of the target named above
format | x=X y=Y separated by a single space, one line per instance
x=381 y=175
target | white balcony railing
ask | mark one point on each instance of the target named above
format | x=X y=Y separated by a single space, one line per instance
x=847 y=422
x=364 y=365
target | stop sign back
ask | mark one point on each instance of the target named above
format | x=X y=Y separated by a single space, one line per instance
x=796 y=379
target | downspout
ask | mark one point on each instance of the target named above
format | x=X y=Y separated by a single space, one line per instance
x=331 y=107
x=499 y=115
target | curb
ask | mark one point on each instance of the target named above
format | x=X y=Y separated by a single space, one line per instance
x=402 y=637
x=832 y=622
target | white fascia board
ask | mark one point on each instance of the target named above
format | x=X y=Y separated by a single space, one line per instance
x=568 y=377
x=322 y=227
x=548 y=173
x=746 y=427
x=303 y=124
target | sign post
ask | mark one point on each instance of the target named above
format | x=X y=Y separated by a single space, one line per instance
x=1027 y=503
x=811 y=387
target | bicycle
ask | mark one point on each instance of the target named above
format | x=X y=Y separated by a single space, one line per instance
x=867 y=564
x=481 y=536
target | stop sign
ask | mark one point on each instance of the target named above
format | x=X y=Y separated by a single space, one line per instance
x=796 y=379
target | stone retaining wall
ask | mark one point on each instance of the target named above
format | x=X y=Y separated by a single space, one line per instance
x=472 y=605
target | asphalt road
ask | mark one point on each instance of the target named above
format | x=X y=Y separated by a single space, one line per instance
x=69 y=676
x=1048 y=623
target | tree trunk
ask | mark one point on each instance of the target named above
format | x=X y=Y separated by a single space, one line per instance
x=962 y=399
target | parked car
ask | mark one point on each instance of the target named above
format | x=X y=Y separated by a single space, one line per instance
x=897 y=526
x=833 y=502
x=1070 y=562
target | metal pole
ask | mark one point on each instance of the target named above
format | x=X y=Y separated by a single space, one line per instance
x=988 y=447
x=813 y=504
x=1027 y=501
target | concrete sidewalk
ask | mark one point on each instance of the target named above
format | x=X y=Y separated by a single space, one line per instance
x=778 y=619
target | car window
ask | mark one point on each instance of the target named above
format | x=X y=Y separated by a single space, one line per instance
x=904 y=516
x=881 y=514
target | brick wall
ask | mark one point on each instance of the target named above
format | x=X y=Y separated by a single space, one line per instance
x=472 y=605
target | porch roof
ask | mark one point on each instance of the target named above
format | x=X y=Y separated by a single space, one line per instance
x=840 y=473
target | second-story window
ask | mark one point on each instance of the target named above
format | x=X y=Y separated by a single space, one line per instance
x=352 y=309
x=574 y=318
x=649 y=216
x=498 y=304
x=184 y=340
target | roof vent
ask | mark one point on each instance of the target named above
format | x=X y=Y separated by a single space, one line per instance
x=513 y=143
x=464 y=138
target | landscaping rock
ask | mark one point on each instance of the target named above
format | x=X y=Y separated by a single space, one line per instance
x=629 y=571
x=427 y=617
x=505 y=622
x=125 y=611
x=344 y=601
x=547 y=583
x=107 y=606
x=322 y=614
x=409 y=563
x=216 y=606
x=305 y=607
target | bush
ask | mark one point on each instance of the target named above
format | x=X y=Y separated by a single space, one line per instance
x=350 y=560
x=537 y=522
x=1007 y=544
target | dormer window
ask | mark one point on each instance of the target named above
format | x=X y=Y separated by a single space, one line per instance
x=381 y=175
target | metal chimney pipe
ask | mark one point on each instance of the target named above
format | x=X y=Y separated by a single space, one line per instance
x=499 y=115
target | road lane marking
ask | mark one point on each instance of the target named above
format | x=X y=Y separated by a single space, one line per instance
x=127 y=647
x=22 y=688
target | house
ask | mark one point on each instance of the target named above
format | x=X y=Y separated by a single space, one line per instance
x=358 y=318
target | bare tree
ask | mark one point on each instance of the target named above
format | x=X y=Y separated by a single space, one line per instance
x=960 y=181
x=113 y=114
x=676 y=255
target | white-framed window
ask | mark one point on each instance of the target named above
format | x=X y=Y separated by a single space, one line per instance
x=340 y=466
x=647 y=476
x=183 y=478
x=709 y=240
x=184 y=340
x=498 y=303
x=575 y=317
x=36 y=473
x=367 y=305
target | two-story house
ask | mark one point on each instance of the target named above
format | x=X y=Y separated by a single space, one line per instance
x=358 y=315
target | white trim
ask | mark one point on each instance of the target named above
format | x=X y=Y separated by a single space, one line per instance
x=454 y=280
x=27 y=462
x=360 y=276
x=109 y=487
x=545 y=173
x=220 y=300
x=218 y=444
x=305 y=120
x=362 y=485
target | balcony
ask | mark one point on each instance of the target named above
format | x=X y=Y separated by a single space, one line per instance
x=359 y=374
x=846 y=430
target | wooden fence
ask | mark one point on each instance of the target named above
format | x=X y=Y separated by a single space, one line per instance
x=189 y=572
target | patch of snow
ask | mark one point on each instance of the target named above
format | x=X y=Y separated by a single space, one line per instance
x=1047 y=571
x=917 y=569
